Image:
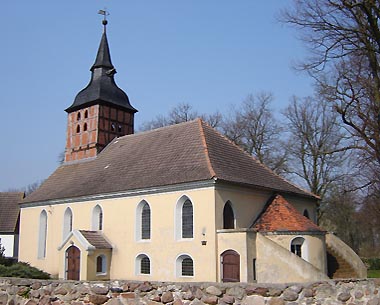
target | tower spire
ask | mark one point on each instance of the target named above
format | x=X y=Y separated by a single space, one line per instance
x=101 y=111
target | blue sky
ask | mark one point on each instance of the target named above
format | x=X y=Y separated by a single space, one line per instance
x=209 y=53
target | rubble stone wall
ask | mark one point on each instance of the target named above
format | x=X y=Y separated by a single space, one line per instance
x=32 y=292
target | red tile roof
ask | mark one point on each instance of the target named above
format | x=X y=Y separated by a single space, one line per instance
x=281 y=216
x=186 y=152
x=9 y=211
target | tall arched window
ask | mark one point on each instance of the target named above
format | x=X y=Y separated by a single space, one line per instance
x=296 y=246
x=184 y=219
x=228 y=216
x=97 y=218
x=67 y=223
x=143 y=221
x=187 y=219
x=42 y=235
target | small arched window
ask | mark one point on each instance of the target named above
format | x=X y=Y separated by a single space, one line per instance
x=228 y=216
x=42 y=235
x=78 y=129
x=185 y=266
x=113 y=127
x=85 y=127
x=67 y=223
x=78 y=116
x=101 y=264
x=119 y=128
x=86 y=114
x=142 y=264
x=97 y=218
x=306 y=213
x=297 y=245
x=187 y=219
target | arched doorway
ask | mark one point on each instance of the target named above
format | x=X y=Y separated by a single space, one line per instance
x=230 y=260
x=72 y=263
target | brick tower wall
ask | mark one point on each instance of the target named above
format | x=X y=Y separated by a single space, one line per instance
x=90 y=129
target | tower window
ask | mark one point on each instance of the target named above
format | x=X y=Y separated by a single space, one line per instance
x=119 y=129
x=78 y=129
x=113 y=126
x=86 y=114
x=85 y=127
x=78 y=116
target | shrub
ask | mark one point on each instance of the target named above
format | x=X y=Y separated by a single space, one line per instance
x=372 y=263
x=23 y=270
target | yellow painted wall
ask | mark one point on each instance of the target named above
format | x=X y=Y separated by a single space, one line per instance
x=119 y=228
x=313 y=249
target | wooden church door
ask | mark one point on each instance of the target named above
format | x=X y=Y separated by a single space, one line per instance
x=72 y=263
x=230 y=266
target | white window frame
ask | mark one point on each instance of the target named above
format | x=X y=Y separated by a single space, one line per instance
x=178 y=218
x=138 y=260
x=178 y=265
x=138 y=221
x=97 y=222
x=42 y=235
x=68 y=220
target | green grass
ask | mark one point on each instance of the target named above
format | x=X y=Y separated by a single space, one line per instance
x=374 y=273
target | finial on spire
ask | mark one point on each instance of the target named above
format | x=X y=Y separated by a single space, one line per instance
x=105 y=13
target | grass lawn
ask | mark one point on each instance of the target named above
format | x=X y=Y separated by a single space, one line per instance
x=373 y=273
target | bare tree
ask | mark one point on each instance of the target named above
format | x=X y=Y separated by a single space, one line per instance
x=315 y=139
x=253 y=127
x=182 y=112
x=343 y=37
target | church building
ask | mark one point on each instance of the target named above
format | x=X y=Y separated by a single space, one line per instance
x=179 y=203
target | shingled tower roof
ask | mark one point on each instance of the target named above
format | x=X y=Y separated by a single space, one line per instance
x=280 y=216
x=102 y=88
x=182 y=153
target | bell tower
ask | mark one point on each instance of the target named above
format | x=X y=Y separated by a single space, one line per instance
x=101 y=111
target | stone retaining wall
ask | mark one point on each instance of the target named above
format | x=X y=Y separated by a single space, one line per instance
x=32 y=292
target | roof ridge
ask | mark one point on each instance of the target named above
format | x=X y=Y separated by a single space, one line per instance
x=262 y=164
x=158 y=129
x=204 y=142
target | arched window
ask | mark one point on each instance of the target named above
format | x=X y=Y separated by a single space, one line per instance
x=67 y=223
x=101 y=264
x=97 y=218
x=185 y=265
x=143 y=221
x=184 y=218
x=228 y=216
x=296 y=246
x=86 y=114
x=142 y=264
x=187 y=219
x=306 y=213
x=78 y=116
x=85 y=127
x=78 y=129
x=42 y=235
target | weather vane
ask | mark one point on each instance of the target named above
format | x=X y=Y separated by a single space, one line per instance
x=105 y=13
